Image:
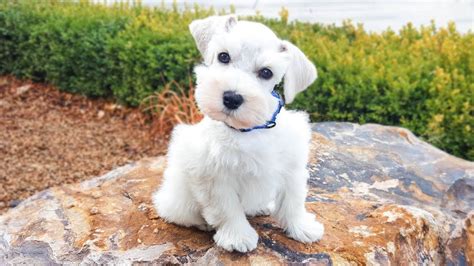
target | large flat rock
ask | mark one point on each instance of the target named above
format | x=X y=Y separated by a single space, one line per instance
x=384 y=196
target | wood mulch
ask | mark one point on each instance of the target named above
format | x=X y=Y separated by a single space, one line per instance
x=49 y=138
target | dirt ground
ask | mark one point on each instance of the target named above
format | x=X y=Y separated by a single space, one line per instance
x=48 y=138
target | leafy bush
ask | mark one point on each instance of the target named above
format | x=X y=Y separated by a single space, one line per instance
x=421 y=79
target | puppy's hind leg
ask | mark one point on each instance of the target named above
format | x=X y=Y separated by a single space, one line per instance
x=175 y=204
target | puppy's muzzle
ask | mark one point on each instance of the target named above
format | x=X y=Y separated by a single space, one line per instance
x=232 y=100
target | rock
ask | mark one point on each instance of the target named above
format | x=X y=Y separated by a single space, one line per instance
x=384 y=196
x=14 y=203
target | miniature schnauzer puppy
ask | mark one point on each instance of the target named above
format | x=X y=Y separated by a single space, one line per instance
x=248 y=155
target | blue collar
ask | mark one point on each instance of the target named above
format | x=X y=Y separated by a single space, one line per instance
x=270 y=123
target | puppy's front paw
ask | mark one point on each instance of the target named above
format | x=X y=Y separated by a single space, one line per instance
x=306 y=229
x=240 y=238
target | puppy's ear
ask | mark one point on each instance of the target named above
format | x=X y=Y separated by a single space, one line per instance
x=300 y=73
x=203 y=29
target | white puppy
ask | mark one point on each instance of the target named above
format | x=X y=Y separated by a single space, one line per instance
x=248 y=156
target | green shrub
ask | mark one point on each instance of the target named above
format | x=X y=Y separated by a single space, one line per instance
x=148 y=54
x=421 y=79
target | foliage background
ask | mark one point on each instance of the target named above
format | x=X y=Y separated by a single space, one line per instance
x=421 y=79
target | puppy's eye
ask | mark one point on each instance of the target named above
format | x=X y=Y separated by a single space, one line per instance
x=224 y=58
x=265 y=73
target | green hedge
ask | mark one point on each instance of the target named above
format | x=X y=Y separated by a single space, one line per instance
x=421 y=79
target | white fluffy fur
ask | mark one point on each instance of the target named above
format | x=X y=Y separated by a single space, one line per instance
x=217 y=175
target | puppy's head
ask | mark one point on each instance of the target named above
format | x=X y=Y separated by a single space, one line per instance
x=243 y=61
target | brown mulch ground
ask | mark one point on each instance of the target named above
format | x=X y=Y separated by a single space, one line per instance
x=48 y=138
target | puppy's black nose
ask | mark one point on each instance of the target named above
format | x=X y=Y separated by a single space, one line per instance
x=232 y=100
